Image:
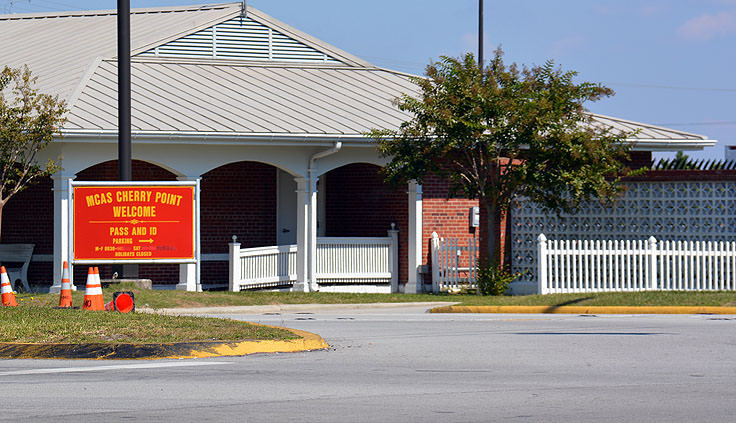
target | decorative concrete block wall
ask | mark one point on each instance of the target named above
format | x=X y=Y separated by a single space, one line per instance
x=655 y=205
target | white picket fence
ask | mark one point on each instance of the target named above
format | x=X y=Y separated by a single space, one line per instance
x=343 y=261
x=566 y=266
x=453 y=266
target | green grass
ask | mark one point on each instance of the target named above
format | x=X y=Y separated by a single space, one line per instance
x=35 y=320
x=175 y=299
x=48 y=325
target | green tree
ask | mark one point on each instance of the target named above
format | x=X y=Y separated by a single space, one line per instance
x=500 y=132
x=28 y=122
x=682 y=161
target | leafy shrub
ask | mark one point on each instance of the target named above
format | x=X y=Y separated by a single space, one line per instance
x=493 y=279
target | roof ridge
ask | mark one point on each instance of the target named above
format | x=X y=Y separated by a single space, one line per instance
x=247 y=63
x=229 y=10
x=307 y=39
x=91 y=69
x=109 y=12
x=191 y=30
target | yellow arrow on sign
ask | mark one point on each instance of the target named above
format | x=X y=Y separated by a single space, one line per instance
x=149 y=241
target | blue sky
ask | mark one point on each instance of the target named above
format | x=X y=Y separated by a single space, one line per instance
x=671 y=62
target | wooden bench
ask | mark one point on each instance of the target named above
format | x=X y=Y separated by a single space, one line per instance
x=16 y=258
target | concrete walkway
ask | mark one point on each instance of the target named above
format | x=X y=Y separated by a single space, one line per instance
x=304 y=308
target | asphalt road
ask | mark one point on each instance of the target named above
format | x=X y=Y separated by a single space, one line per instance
x=403 y=365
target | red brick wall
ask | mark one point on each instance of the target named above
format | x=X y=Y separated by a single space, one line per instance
x=240 y=199
x=108 y=171
x=449 y=217
x=686 y=175
x=359 y=203
x=639 y=159
x=237 y=199
x=37 y=203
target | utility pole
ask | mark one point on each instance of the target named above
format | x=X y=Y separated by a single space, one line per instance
x=125 y=164
x=480 y=34
x=125 y=171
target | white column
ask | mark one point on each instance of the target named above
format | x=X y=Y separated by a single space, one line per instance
x=188 y=271
x=415 y=284
x=652 y=263
x=321 y=206
x=62 y=248
x=302 y=235
x=234 y=266
x=435 y=263
x=312 y=233
x=542 y=287
x=393 y=233
x=187 y=277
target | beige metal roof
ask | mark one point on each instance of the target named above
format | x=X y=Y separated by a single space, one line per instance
x=226 y=97
x=647 y=137
x=61 y=47
x=73 y=53
x=643 y=130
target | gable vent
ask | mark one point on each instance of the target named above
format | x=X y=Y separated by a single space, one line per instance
x=243 y=39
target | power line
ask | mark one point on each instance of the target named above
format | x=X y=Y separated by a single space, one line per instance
x=672 y=87
x=716 y=123
x=16 y=6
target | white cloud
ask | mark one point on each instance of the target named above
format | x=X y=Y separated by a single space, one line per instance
x=705 y=27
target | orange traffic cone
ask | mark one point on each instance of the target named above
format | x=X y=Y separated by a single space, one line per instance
x=123 y=302
x=93 y=292
x=8 y=296
x=65 y=296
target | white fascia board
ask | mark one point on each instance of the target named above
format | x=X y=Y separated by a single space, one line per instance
x=316 y=140
x=671 y=145
x=216 y=138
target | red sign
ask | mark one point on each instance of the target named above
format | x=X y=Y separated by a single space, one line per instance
x=133 y=222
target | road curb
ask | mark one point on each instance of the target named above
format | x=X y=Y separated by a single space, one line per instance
x=586 y=309
x=307 y=341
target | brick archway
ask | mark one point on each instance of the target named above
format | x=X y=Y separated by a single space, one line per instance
x=237 y=199
x=358 y=203
x=37 y=203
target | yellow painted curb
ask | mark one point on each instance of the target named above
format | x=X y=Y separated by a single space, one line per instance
x=587 y=309
x=307 y=342
x=198 y=349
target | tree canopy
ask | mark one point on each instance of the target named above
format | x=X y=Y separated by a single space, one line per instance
x=28 y=122
x=504 y=131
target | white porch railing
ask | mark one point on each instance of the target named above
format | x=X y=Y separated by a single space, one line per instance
x=261 y=267
x=598 y=266
x=339 y=261
x=453 y=266
x=355 y=260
